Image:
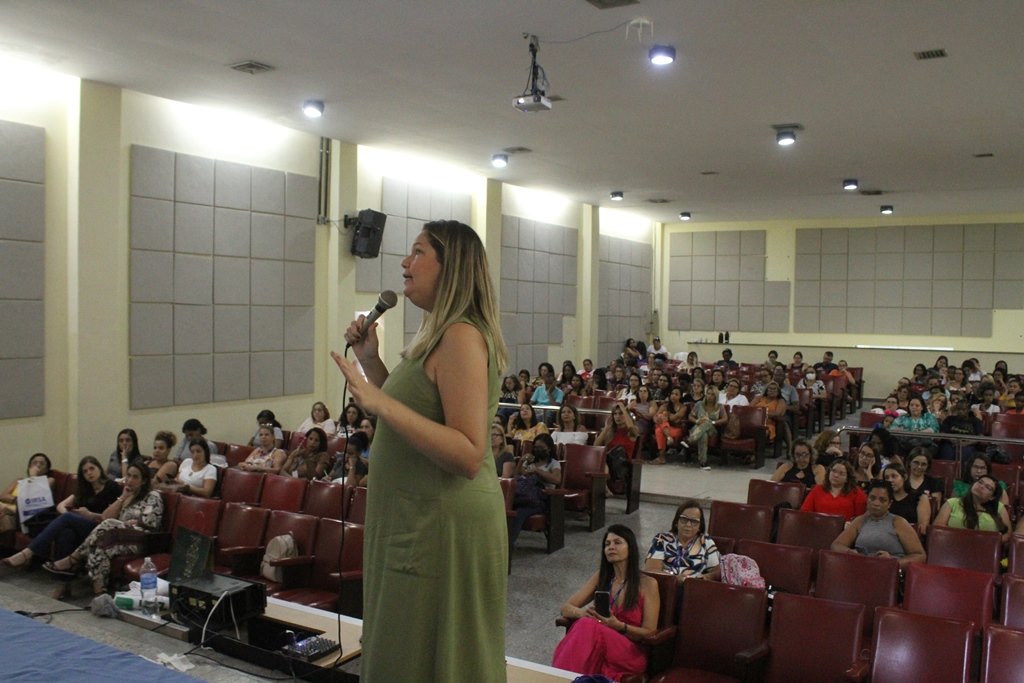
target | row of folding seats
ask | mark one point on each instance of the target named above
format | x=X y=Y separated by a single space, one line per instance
x=278 y=492
x=719 y=633
x=240 y=534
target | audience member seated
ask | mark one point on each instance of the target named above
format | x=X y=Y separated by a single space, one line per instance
x=266 y=418
x=880 y=533
x=127 y=451
x=938 y=407
x=810 y=381
x=686 y=550
x=843 y=370
x=867 y=465
x=717 y=381
x=548 y=393
x=138 y=509
x=628 y=392
x=310 y=459
x=368 y=426
x=903 y=395
x=727 y=362
x=267 y=457
x=511 y=390
x=798 y=364
x=956 y=380
x=569 y=420
x=731 y=396
x=827 y=447
x=979 y=508
x=919 y=481
x=802 y=467
x=319 y=416
x=524 y=425
x=706 y=417
x=535 y=471
x=350 y=419
x=162 y=468
x=907 y=503
x=618 y=437
x=775 y=413
x=196 y=476
x=670 y=423
x=504 y=458
x=79 y=514
x=38 y=466
x=1008 y=401
x=890 y=407
x=352 y=468
x=886 y=446
x=607 y=644
x=630 y=353
x=577 y=387
x=643 y=409
x=193 y=429
x=986 y=394
x=976 y=466
x=764 y=375
x=838 y=495
x=588 y=369
x=918 y=420
x=568 y=372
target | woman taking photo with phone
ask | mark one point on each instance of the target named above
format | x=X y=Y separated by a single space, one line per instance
x=603 y=642
x=436 y=532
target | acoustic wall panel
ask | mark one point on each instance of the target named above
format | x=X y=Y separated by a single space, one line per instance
x=625 y=306
x=537 y=260
x=717 y=282
x=231 y=246
x=921 y=280
x=22 y=269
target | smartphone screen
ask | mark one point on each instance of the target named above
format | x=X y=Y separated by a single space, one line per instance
x=601 y=603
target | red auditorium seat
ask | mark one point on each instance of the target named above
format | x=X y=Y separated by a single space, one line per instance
x=709 y=649
x=303 y=530
x=787 y=568
x=1012 y=599
x=919 y=647
x=239 y=486
x=355 y=512
x=737 y=520
x=964 y=548
x=583 y=482
x=810 y=529
x=771 y=493
x=324 y=499
x=236 y=453
x=812 y=640
x=849 y=577
x=753 y=434
x=201 y=515
x=238 y=536
x=336 y=543
x=1002 y=658
x=949 y=592
x=283 y=493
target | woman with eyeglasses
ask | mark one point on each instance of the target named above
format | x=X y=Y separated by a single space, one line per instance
x=801 y=468
x=829 y=447
x=977 y=466
x=609 y=644
x=685 y=550
x=979 y=508
x=918 y=480
x=838 y=494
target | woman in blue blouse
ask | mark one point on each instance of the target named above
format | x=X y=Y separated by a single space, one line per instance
x=686 y=551
x=917 y=420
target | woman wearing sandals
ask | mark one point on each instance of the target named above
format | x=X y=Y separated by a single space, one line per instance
x=139 y=509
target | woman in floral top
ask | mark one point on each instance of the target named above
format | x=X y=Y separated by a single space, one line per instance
x=686 y=551
x=137 y=510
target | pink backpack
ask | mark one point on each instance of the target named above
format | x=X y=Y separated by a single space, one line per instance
x=740 y=570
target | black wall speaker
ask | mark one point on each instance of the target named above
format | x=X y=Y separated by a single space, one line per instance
x=369 y=233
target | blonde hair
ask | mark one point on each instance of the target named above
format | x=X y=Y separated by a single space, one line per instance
x=464 y=291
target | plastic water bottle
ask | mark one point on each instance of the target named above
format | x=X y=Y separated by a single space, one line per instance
x=147 y=585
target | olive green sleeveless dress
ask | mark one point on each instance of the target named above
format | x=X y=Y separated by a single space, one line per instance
x=435 y=556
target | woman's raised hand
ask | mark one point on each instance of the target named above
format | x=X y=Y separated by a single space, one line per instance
x=364 y=346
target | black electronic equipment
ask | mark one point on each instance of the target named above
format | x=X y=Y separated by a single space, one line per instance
x=369 y=231
x=215 y=602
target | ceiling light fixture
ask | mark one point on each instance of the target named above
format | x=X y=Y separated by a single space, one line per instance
x=313 y=109
x=785 y=133
x=499 y=160
x=684 y=216
x=850 y=184
x=617 y=196
x=660 y=55
x=886 y=209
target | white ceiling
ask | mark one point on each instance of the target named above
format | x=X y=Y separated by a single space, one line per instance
x=436 y=77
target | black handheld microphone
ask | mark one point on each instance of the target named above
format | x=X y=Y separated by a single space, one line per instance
x=385 y=301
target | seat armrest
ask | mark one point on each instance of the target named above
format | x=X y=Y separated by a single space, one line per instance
x=660 y=636
x=754 y=654
x=297 y=561
x=550 y=493
x=596 y=475
x=858 y=671
x=239 y=550
x=353 y=575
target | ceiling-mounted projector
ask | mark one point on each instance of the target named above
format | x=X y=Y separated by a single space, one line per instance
x=531 y=102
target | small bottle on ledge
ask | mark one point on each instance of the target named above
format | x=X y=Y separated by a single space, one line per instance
x=720 y=337
x=727 y=336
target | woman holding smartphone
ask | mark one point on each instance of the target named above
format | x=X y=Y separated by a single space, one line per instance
x=607 y=643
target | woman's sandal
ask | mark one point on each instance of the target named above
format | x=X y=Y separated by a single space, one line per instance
x=19 y=559
x=68 y=568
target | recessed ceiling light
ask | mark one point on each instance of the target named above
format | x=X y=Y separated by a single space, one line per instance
x=617 y=196
x=313 y=109
x=785 y=138
x=660 y=55
x=850 y=184
x=499 y=160
x=684 y=216
x=886 y=209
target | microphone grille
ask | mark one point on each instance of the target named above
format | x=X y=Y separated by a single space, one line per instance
x=388 y=298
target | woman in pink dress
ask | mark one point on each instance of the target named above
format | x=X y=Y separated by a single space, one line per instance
x=609 y=645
